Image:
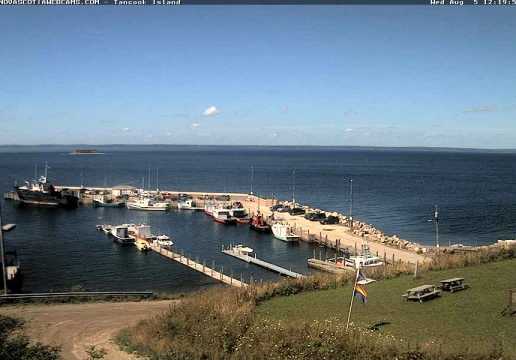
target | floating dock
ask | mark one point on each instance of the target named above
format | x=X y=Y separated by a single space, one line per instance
x=202 y=268
x=235 y=252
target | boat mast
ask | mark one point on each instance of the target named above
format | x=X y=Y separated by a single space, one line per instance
x=252 y=176
x=293 y=189
x=46 y=171
x=351 y=205
x=157 y=178
x=82 y=186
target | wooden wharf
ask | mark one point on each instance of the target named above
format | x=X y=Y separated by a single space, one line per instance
x=202 y=268
x=233 y=251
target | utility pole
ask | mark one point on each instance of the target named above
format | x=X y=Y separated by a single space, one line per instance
x=351 y=206
x=436 y=221
x=293 y=189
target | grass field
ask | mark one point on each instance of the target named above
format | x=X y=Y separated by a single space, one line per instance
x=464 y=321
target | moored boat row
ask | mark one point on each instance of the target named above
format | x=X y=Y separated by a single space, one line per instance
x=138 y=234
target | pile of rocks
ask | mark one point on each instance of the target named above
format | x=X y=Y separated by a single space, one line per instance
x=370 y=233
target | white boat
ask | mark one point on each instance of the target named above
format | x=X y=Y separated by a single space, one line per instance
x=208 y=208
x=104 y=201
x=244 y=250
x=106 y=228
x=147 y=204
x=283 y=231
x=121 y=234
x=365 y=259
x=188 y=204
x=222 y=216
x=164 y=240
x=141 y=232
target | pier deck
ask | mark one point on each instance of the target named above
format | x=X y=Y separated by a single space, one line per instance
x=253 y=260
x=228 y=280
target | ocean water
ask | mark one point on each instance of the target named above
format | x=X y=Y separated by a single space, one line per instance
x=395 y=191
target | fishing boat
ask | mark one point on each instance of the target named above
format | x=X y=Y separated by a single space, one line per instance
x=364 y=259
x=283 y=231
x=222 y=215
x=164 y=240
x=104 y=201
x=141 y=232
x=208 y=208
x=42 y=192
x=258 y=223
x=188 y=204
x=121 y=234
x=240 y=215
x=146 y=203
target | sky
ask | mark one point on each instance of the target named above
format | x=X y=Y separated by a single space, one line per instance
x=259 y=75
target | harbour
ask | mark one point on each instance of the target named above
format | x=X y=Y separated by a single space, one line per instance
x=60 y=248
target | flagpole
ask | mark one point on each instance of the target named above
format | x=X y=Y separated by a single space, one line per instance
x=352 y=296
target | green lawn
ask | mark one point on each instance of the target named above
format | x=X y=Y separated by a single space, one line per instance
x=468 y=320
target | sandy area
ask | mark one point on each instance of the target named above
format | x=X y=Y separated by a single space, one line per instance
x=77 y=326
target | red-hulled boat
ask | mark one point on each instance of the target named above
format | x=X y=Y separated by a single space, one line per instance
x=258 y=223
x=222 y=216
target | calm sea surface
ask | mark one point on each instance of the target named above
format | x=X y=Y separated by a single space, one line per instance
x=395 y=191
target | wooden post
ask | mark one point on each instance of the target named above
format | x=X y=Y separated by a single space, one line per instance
x=222 y=273
x=393 y=258
x=231 y=279
x=376 y=252
x=385 y=257
x=416 y=269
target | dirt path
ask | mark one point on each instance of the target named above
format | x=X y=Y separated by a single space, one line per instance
x=77 y=326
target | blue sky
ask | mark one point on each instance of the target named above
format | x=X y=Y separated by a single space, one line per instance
x=259 y=75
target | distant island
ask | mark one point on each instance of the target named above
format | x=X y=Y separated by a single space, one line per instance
x=85 y=152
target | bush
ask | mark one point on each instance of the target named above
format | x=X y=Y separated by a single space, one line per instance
x=16 y=347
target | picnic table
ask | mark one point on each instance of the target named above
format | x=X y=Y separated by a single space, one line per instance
x=422 y=293
x=454 y=284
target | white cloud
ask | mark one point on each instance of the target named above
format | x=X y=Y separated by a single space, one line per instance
x=349 y=130
x=478 y=109
x=284 y=109
x=168 y=134
x=212 y=110
x=195 y=125
x=273 y=135
x=126 y=129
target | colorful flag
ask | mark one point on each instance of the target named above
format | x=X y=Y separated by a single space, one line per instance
x=360 y=293
x=360 y=277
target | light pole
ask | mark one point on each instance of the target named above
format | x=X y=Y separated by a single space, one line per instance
x=351 y=206
x=436 y=221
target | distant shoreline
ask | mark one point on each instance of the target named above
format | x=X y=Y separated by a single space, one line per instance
x=156 y=147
